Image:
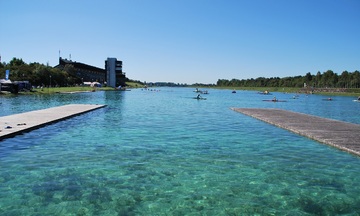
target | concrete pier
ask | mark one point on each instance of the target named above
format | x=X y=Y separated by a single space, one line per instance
x=15 y=124
x=342 y=135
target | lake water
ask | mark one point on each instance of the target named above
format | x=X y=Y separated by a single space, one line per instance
x=160 y=152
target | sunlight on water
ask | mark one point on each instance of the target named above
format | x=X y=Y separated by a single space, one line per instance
x=163 y=153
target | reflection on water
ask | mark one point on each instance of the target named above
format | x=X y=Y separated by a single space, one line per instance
x=163 y=153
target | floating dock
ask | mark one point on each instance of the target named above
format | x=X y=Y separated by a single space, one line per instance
x=342 y=135
x=13 y=125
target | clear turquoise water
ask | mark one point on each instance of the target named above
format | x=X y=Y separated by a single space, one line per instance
x=163 y=153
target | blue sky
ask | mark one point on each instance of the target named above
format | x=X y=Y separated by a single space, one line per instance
x=187 y=41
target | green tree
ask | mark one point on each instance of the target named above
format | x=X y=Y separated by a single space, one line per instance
x=318 y=80
x=355 y=79
x=16 y=62
x=329 y=79
x=344 y=80
x=308 y=79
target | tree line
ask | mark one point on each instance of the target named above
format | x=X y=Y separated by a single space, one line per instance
x=327 y=79
x=39 y=74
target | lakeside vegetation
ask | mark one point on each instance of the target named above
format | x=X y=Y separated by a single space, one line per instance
x=331 y=91
x=327 y=79
x=70 y=89
x=39 y=74
x=326 y=83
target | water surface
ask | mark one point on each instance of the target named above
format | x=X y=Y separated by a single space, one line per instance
x=161 y=152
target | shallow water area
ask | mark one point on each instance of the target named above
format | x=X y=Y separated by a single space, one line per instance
x=160 y=152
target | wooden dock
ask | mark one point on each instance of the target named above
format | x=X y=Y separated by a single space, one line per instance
x=12 y=125
x=342 y=135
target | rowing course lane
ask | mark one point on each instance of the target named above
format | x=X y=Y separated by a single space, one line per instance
x=13 y=125
x=342 y=135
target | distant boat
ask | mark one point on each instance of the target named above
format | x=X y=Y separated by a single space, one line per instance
x=198 y=97
x=120 y=88
x=275 y=100
x=201 y=98
x=233 y=91
x=197 y=90
x=265 y=93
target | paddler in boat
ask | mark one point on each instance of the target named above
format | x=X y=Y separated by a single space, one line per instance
x=274 y=99
x=198 y=97
x=359 y=98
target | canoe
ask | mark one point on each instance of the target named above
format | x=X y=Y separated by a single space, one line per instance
x=275 y=100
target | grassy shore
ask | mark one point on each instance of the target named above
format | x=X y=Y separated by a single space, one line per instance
x=74 y=89
x=330 y=92
x=347 y=92
x=53 y=90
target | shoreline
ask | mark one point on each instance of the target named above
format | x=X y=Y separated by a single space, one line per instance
x=286 y=90
x=292 y=90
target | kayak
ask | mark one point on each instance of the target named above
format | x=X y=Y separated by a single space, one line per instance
x=199 y=98
x=275 y=100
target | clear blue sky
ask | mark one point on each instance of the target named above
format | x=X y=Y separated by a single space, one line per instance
x=187 y=41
